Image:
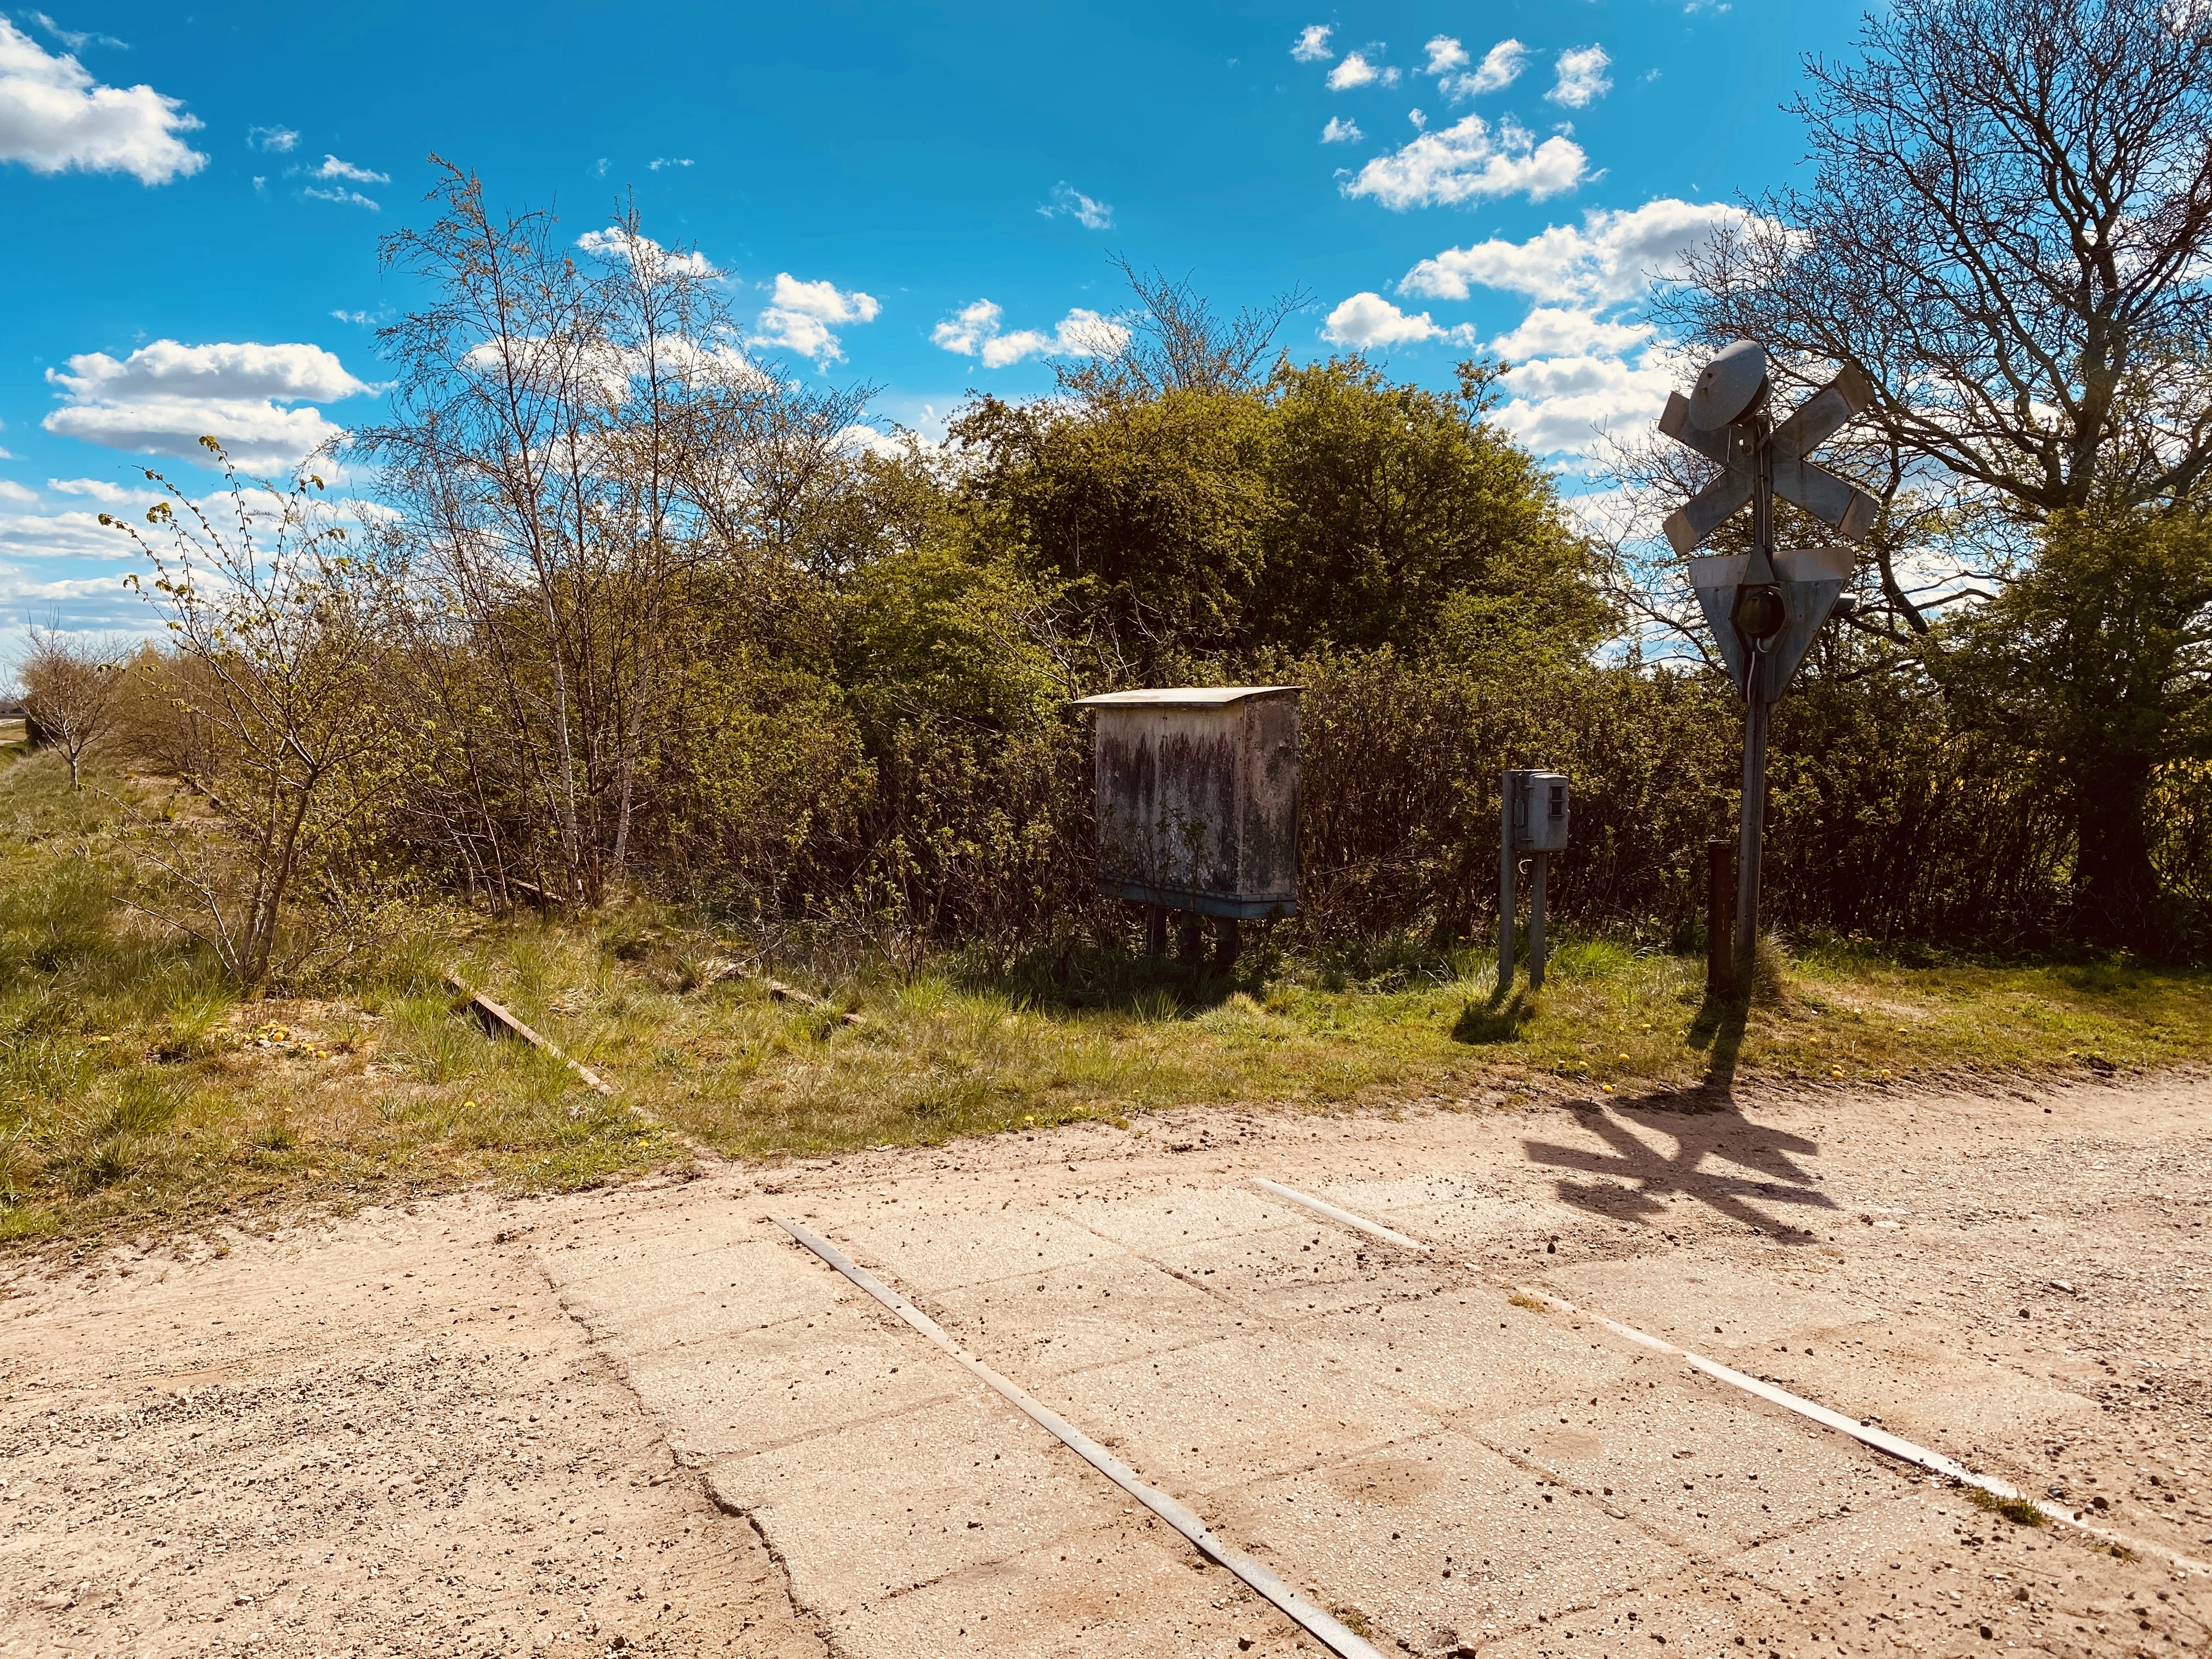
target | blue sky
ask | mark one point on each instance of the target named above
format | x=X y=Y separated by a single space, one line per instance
x=923 y=198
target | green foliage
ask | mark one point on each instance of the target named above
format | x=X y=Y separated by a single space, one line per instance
x=1397 y=513
x=2093 y=668
x=1325 y=507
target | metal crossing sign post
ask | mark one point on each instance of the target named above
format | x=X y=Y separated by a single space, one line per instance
x=1765 y=606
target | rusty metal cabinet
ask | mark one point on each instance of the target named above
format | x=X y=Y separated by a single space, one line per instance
x=1198 y=798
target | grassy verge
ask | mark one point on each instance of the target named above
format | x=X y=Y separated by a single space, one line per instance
x=136 y=1092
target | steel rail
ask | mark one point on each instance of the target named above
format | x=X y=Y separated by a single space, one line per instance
x=1327 y=1631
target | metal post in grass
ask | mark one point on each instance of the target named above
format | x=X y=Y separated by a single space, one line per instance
x=1539 y=868
x=1508 y=858
x=1532 y=820
x=1765 y=606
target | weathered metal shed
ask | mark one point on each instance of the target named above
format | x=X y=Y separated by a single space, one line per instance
x=1198 y=798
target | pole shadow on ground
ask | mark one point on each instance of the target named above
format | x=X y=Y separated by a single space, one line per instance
x=1630 y=1180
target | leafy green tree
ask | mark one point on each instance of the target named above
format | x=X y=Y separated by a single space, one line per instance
x=1395 y=507
x=2096 y=662
x=1324 y=506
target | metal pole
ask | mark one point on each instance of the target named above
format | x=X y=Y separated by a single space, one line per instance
x=1543 y=862
x=1756 y=700
x=1753 y=820
x=1507 y=900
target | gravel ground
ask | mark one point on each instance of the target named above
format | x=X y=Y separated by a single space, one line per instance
x=643 y=1419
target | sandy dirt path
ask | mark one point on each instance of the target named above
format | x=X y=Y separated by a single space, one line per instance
x=644 y=1418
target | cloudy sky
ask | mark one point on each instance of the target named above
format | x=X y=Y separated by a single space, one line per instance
x=920 y=197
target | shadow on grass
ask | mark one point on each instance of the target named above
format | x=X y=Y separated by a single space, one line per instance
x=1494 y=1021
x=1118 y=980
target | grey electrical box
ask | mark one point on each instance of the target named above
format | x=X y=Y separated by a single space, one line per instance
x=1198 y=798
x=1539 y=812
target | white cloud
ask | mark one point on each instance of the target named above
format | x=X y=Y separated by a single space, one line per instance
x=1466 y=162
x=1580 y=366
x=1560 y=406
x=1071 y=203
x=1445 y=55
x=344 y=197
x=799 y=315
x=1500 y=67
x=892 y=445
x=54 y=118
x=75 y=39
x=1369 y=319
x=977 y=330
x=277 y=141
x=12 y=491
x=1559 y=332
x=1582 y=78
x=73 y=533
x=112 y=495
x=615 y=242
x=334 y=168
x=1341 y=132
x=100 y=604
x=1613 y=255
x=660 y=161
x=1357 y=71
x=966 y=329
x=165 y=396
x=1312 y=45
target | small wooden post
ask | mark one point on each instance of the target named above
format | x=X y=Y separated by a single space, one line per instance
x=1228 y=944
x=1156 y=930
x=1190 y=942
x=1719 y=885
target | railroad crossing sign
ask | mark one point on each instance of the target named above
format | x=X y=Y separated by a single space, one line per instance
x=1764 y=607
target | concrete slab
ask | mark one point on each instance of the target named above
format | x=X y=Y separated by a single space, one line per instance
x=656 y=1301
x=1451 y=1356
x=1708 y=1470
x=748 y=1390
x=1129 y=1592
x=873 y=1511
x=1440 y=1541
x=1202 y=1418
x=1067 y=1319
x=930 y=1247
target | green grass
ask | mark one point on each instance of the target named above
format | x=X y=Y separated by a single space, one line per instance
x=2021 y=1511
x=137 y=1093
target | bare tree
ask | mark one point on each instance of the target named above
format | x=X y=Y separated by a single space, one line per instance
x=578 y=434
x=1177 y=344
x=72 y=689
x=287 y=619
x=2008 y=230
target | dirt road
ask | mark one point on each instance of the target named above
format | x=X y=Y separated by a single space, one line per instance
x=644 y=1419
